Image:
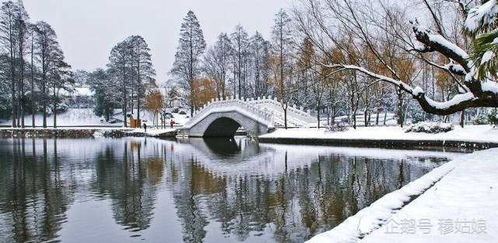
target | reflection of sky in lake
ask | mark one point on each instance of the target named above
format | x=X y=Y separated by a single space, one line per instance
x=134 y=189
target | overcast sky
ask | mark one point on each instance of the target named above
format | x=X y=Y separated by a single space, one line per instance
x=88 y=29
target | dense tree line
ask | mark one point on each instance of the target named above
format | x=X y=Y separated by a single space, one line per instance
x=33 y=71
x=124 y=83
x=361 y=60
x=344 y=60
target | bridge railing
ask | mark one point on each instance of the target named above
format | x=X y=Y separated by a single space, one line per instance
x=298 y=115
x=235 y=104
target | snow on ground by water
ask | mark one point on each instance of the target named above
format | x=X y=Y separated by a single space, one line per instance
x=86 y=117
x=151 y=132
x=471 y=133
x=72 y=117
x=462 y=206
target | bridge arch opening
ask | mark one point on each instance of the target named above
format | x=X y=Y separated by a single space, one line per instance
x=222 y=127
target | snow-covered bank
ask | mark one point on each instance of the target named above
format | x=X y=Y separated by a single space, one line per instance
x=86 y=117
x=85 y=132
x=72 y=117
x=484 y=133
x=152 y=132
x=462 y=206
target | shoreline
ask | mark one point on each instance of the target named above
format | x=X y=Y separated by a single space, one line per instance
x=384 y=143
x=84 y=132
x=424 y=143
x=445 y=193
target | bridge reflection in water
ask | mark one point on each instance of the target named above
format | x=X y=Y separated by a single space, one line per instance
x=202 y=190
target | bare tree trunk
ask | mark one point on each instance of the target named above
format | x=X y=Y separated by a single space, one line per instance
x=33 y=109
x=385 y=117
x=377 y=117
x=285 y=116
x=21 y=72
x=401 y=115
x=333 y=116
x=13 y=83
x=44 y=90
x=138 y=109
x=55 y=108
x=125 y=106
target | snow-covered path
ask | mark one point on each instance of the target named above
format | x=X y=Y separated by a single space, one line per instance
x=462 y=206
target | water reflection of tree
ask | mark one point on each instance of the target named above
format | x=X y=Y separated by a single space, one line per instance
x=34 y=194
x=131 y=182
x=185 y=191
x=295 y=204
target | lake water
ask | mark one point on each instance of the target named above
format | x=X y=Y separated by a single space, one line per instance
x=151 y=190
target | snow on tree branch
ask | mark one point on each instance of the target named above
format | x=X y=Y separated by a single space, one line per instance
x=440 y=44
x=458 y=103
x=398 y=83
x=482 y=17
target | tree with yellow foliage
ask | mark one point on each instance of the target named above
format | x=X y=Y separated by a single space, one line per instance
x=154 y=103
x=204 y=90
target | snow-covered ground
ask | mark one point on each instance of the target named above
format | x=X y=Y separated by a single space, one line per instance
x=151 y=132
x=471 y=133
x=72 y=117
x=462 y=206
x=86 y=117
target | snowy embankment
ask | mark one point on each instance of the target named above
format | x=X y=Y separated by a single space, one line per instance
x=484 y=133
x=85 y=117
x=458 y=202
x=72 y=117
x=152 y=132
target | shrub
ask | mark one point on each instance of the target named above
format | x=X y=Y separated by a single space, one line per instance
x=338 y=127
x=481 y=120
x=430 y=127
x=493 y=117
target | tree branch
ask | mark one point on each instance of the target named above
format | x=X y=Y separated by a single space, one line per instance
x=457 y=103
x=438 y=43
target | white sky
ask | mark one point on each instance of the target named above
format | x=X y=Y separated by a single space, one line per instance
x=88 y=29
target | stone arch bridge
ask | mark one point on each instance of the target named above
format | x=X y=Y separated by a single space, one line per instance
x=222 y=118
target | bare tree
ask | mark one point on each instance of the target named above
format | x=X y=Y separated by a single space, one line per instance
x=323 y=21
x=282 y=42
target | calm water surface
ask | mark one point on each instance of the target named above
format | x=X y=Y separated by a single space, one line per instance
x=151 y=190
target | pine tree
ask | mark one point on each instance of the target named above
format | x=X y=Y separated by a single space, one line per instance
x=120 y=68
x=142 y=65
x=48 y=54
x=13 y=21
x=105 y=93
x=187 y=59
x=282 y=47
x=61 y=78
x=21 y=23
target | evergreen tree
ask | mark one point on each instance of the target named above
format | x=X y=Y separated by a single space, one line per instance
x=106 y=99
x=49 y=54
x=282 y=49
x=142 y=66
x=187 y=59
x=13 y=22
x=120 y=68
